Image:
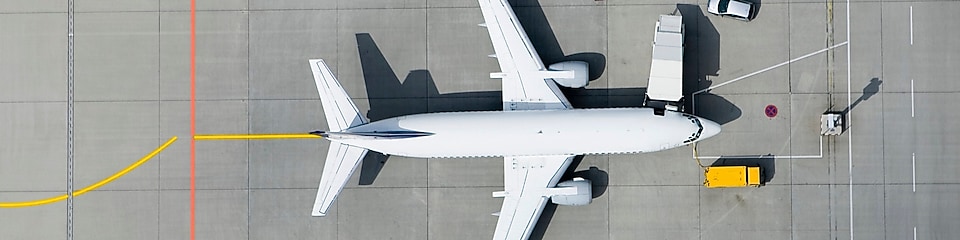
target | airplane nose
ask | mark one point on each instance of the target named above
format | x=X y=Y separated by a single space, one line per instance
x=710 y=128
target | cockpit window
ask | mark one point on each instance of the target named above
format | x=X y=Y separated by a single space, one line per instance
x=696 y=135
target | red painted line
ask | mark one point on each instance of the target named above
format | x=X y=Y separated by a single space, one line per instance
x=193 y=114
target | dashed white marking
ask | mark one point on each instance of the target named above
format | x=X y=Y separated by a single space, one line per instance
x=769 y=156
x=913 y=163
x=911 y=25
x=914 y=233
x=771 y=67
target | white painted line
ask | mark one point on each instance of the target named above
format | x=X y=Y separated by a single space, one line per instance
x=911 y=98
x=771 y=67
x=911 y=25
x=914 y=233
x=913 y=163
x=769 y=156
x=849 y=120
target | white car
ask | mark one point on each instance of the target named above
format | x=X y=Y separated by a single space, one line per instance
x=739 y=9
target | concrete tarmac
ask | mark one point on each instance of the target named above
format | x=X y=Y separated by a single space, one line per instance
x=891 y=175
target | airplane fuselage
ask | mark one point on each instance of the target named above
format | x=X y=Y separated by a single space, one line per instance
x=531 y=133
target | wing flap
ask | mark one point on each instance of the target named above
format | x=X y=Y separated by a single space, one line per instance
x=525 y=79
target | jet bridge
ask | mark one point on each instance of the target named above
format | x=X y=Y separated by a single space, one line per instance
x=665 y=86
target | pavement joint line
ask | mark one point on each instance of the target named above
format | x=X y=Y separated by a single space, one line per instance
x=771 y=67
x=831 y=85
x=160 y=86
x=831 y=56
x=70 y=90
x=250 y=124
x=771 y=156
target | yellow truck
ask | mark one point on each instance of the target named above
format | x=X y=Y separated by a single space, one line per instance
x=731 y=176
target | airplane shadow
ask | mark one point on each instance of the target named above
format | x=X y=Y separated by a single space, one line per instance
x=538 y=29
x=390 y=97
x=701 y=48
x=714 y=107
x=599 y=180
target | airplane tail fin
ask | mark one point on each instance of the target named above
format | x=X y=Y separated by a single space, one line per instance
x=342 y=160
x=340 y=111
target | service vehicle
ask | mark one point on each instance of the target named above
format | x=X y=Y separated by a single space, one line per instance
x=738 y=9
x=731 y=176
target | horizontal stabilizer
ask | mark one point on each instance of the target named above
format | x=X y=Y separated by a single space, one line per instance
x=341 y=113
x=342 y=160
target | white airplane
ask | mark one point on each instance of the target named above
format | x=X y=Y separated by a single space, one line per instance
x=538 y=132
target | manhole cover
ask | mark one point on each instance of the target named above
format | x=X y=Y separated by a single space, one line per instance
x=770 y=110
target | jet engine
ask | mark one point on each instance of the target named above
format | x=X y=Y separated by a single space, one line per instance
x=580 y=73
x=583 y=196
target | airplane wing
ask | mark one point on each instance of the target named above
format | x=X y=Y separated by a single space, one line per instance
x=527 y=84
x=528 y=184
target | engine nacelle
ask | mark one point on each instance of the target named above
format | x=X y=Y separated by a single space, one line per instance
x=583 y=197
x=581 y=73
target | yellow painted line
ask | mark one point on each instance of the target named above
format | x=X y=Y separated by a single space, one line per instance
x=253 y=136
x=95 y=185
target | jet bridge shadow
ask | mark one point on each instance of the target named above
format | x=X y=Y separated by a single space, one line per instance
x=701 y=49
x=701 y=54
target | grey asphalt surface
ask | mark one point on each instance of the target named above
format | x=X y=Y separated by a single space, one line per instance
x=896 y=166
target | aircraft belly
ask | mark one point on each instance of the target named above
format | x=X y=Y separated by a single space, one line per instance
x=486 y=134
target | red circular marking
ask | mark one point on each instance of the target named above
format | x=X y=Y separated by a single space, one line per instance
x=770 y=111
